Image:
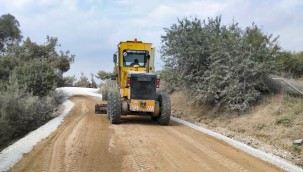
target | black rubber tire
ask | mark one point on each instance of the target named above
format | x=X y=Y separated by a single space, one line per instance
x=109 y=106
x=104 y=95
x=165 y=109
x=115 y=108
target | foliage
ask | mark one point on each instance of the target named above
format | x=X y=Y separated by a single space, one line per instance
x=21 y=112
x=290 y=64
x=93 y=83
x=10 y=33
x=69 y=81
x=7 y=64
x=39 y=68
x=37 y=77
x=84 y=81
x=29 y=74
x=217 y=64
x=30 y=51
x=103 y=75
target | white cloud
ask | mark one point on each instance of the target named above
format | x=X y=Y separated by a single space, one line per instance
x=48 y=3
x=162 y=13
x=287 y=4
x=201 y=9
x=15 y=4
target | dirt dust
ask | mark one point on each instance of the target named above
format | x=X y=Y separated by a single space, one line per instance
x=86 y=141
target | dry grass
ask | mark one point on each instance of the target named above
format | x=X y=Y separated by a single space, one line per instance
x=276 y=121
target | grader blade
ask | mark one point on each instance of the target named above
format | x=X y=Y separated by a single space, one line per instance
x=101 y=108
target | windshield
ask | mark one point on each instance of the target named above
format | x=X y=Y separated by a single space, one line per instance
x=134 y=57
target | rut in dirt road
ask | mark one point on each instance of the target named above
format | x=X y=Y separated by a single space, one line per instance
x=79 y=144
x=88 y=142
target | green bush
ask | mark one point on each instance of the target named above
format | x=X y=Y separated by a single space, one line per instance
x=29 y=74
x=217 y=64
x=289 y=64
x=37 y=77
x=21 y=113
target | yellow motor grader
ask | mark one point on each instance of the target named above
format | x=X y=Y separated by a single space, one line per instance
x=133 y=88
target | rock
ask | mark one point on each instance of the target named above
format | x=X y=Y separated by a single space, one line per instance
x=298 y=142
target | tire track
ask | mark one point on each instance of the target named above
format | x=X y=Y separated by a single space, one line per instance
x=212 y=154
x=74 y=142
x=57 y=152
x=88 y=142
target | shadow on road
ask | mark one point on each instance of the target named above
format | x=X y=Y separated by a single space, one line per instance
x=140 y=119
x=144 y=120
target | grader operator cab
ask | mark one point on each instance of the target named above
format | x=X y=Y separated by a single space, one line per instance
x=133 y=88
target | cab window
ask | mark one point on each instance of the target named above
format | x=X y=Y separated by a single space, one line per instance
x=134 y=57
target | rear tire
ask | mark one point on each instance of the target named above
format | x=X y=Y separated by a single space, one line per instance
x=115 y=108
x=109 y=106
x=165 y=109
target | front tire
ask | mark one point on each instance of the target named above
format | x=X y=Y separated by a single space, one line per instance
x=165 y=109
x=115 y=108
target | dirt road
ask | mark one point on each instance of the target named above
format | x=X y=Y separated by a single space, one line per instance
x=88 y=142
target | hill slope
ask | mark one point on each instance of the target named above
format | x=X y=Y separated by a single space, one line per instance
x=271 y=126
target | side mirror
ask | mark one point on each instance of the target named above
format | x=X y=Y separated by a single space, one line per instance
x=113 y=77
x=115 y=58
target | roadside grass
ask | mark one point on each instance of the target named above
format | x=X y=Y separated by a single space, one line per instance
x=277 y=121
x=285 y=120
x=296 y=148
x=291 y=108
x=260 y=126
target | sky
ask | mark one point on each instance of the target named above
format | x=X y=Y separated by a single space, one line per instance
x=91 y=29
